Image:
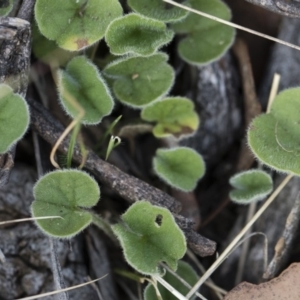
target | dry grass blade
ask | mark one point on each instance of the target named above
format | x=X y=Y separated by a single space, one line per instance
x=29 y=219
x=61 y=291
x=268 y=37
x=236 y=240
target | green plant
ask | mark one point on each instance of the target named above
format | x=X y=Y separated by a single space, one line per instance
x=174 y=117
x=250 y=186
x=75 y=25
x=205 y=40
x=138 y=80
x=158 y=10
x=5 y=7
x=68 y=194
x=82 y=81
x=139 y=77
x=149 y=235
x=180 y=167
x=14 y=117
x=136 y=34
x=274 y=137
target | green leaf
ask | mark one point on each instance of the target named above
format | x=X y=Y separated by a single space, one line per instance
x=64 y=193
x=141 y=80
x=14 y=117
x=185 y=271
x=5 y=7
x=180 y=167
x=174 y=116
x=47 y=51
x=135 y=34
x=149 y=235
x=159 y=10
x=83 y=83
x=75 y=24
x=274 y=138
x=205 y=40
x=250 y=186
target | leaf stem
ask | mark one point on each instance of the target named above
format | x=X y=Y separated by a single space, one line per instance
x=227 y=251
x=104 y=226
x=72 y=144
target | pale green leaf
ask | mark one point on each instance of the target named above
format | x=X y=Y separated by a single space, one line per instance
x=274 y=138
x=141 y=80
x=250 y=186
x=14 y=117
x=149 y=235
x=135 y=34
x=83 y=83
x=159 y=10
x=5 y=7
x=75 y=24
x=205 y=40
x=47 y=51
x=64 y=193
x=180 y=167
x=174 y=116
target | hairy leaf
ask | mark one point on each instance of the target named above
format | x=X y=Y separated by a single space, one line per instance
x=14 y=117
x=250 y=186
x=141 y=80
x=180 y=167
x=75 y=24
x=149 y=235
x=135 y=34
x=274 y=138
x=83 y=83
x=174 y=116
x=64 y=193
x=205 y=40
x=159 y=10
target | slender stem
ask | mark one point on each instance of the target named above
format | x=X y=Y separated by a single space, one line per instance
x=72 y=144
x=226 y=252
x=104 y=226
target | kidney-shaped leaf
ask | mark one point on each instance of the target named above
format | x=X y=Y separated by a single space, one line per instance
x=14 y=117
x=64 y=193
x=180 y=167
x=185 y=271
x=174 y=116
x=149 y=235
x=274 y=138
x=6 y=7
x=250 y=186
x=159 y=10
x=83 y=83
x=135 y=34
x=205 y=40
x=141 y=80
x=75 y=25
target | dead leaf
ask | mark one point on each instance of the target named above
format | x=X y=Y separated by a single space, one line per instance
x=286 y=286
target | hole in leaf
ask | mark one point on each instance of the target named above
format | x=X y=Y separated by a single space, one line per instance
x=158 y=220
